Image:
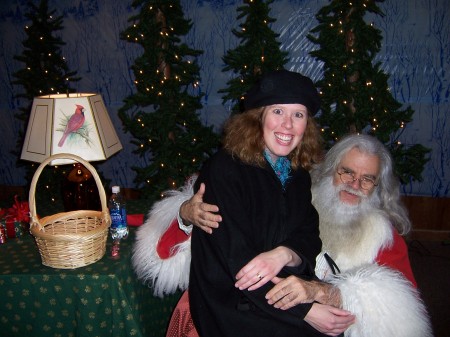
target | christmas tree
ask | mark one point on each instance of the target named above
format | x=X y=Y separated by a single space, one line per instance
x=45 y=72
x=162 y=114
x=257 y=53
x=354 y=90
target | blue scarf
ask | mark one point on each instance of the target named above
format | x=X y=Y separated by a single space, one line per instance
x=282 y=167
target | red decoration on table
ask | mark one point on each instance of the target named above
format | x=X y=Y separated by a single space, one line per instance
x=16 y=218
x=135 y=220
x=20 y=210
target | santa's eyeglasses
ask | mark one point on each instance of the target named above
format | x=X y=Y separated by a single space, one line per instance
x=348 y=177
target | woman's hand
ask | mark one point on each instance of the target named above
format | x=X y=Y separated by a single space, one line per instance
x=199 y=213
x=293 y=290
x=329 y=320
x=264 y=267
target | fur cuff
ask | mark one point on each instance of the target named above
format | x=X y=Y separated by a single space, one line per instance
x=165 y=275
x=384 y=303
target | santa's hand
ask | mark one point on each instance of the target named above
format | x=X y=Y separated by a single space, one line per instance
x=195 y=211
x=292 y=291
x=329 y=320
x=289 y=292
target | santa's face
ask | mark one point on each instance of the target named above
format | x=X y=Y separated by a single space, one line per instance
x=360 y=172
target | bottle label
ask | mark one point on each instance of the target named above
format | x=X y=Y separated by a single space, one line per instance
x=118 y=223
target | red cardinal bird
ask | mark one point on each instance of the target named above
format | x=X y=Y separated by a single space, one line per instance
x=75 y=122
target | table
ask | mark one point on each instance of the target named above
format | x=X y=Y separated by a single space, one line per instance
x=102 y=299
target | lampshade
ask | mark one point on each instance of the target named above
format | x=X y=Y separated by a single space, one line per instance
x=75 y=123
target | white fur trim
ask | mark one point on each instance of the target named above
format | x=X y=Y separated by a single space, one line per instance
x=166 y=276
x=384 y=303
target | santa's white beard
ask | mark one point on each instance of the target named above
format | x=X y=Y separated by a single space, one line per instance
x=341 y=223
x=330 y=207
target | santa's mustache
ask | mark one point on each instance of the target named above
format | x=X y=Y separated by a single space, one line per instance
x=349 y=189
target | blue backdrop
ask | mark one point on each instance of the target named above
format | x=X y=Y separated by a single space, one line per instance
x=415 y=53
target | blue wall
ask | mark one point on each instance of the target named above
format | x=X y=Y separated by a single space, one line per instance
x=415 y=53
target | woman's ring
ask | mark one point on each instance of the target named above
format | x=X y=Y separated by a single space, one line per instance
x=259 y=276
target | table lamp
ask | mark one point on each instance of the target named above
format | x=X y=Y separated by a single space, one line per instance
x=77 y=124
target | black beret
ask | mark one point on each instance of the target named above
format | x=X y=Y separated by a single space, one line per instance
x=283 y=87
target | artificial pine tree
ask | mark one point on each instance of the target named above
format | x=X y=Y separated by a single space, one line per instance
x=45 y=72
x=257 y=53
x=162 y=114
x=354 y=90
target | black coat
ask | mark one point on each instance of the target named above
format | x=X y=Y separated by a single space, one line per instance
x=257 y=215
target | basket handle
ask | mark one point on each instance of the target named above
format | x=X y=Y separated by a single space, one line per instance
x=32 y=200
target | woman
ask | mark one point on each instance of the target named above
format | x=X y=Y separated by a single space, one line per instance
x=260 y=182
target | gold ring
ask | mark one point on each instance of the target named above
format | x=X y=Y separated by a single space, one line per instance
x=259 y=276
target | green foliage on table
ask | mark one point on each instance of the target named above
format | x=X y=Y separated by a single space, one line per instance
x=257 y=52
x=354 y=89
x=162 y=114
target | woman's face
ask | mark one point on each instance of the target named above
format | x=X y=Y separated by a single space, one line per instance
x=283 y=128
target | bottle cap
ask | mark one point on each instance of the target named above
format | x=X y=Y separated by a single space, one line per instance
x=115 y=189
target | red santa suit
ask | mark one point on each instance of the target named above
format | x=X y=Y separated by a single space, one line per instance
x=395 y=257
x=375 y=277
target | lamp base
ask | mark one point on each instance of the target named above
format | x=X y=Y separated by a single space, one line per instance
x=80 y=191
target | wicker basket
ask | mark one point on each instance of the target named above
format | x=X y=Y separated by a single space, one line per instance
x=72 y=239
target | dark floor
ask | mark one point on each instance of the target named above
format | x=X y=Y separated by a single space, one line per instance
x=430 y=261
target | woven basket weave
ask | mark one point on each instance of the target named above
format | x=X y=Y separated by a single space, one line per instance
x=72 y=239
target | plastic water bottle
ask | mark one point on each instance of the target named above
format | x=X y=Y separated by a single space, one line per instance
x=118 y=212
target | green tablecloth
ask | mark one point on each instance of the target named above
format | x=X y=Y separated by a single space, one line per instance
x=102 y=299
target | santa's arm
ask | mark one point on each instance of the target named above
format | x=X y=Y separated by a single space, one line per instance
x=194 y=211
x=161 y=254
x=383 y=301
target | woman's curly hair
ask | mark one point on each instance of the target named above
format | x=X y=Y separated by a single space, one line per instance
x=243 y=138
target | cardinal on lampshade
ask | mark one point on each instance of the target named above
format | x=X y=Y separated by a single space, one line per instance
x=75 y=123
